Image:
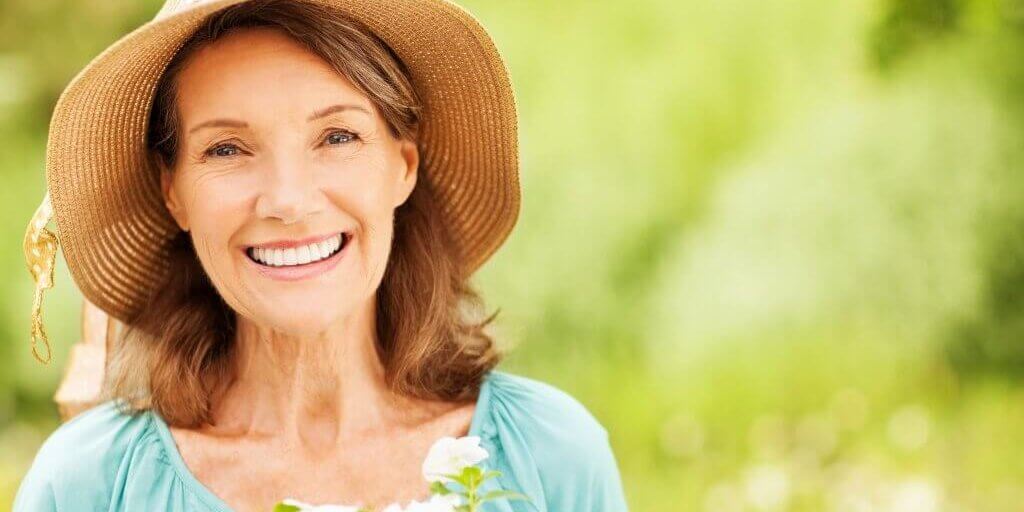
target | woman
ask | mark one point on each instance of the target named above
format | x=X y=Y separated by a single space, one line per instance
x=284 y=202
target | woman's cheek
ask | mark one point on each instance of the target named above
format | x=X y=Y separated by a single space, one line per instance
x=218 y=210
x=220 y=196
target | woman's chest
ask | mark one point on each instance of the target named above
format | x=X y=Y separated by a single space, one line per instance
x=253 y=478
x=373 y=469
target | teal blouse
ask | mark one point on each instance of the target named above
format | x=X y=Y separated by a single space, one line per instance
x=544 y=442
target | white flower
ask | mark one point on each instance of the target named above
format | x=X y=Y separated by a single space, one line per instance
x=306 y=507
x=450 y=456
x=436 y=503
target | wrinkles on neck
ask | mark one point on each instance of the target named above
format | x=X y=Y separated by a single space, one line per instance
x=315 y=387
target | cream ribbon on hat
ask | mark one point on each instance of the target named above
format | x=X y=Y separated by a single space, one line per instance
x=40 y=248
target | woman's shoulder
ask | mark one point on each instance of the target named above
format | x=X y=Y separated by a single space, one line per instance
x=542 y=410
x=551 y=444
x=79 y=461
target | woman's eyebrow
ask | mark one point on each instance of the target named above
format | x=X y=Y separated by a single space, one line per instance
x=233 y=123
x=337 y=108
x=219 y=122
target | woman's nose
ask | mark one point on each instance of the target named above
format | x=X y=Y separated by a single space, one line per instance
x=289 y=193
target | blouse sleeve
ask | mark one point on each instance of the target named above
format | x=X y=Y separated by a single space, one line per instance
x=556 y=451
x=35 y=492
x=605 y=492
x=580 y=471
x=75 y=467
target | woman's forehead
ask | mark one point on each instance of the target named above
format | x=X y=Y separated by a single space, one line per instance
x=262 y=70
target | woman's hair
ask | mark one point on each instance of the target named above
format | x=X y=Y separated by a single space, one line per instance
x=178 y=350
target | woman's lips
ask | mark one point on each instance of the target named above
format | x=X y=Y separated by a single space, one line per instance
x=284 y=244
x=304 y=271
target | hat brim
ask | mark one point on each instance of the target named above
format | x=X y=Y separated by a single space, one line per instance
x=110 y=215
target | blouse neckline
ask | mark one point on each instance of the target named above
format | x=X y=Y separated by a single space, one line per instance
x=477 y=424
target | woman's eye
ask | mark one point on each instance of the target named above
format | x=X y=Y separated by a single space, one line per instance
x=224 y=150
x=340 y=137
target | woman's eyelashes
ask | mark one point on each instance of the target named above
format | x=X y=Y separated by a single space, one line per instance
x=337 y=137
x=221 y=149
x=225 y=149
x=230 y=149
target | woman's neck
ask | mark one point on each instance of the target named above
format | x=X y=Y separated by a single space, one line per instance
x=318 y=388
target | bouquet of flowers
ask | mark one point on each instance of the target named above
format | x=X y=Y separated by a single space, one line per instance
x=454 y=477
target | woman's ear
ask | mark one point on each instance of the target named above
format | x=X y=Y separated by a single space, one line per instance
x=171 y=198
x=410 y=170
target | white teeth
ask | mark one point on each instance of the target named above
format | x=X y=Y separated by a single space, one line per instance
x=302 y=255
x=289 y=256
x=297 y=255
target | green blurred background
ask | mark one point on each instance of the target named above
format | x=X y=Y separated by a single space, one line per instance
x=775 y=246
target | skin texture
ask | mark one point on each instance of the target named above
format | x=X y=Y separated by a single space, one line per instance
x=309 y=415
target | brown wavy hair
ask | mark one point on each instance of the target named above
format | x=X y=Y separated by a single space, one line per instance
x=431 y=339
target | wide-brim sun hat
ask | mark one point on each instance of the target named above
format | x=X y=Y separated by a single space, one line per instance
x=104 y=194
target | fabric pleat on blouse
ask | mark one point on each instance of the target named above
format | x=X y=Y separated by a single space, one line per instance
x=544 y=442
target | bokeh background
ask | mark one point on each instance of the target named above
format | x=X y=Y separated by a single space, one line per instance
x=775 y=246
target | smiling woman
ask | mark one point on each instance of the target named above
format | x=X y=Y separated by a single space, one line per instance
x=284 y=151
x=291 y=252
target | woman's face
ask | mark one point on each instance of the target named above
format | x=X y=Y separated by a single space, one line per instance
x=277 y=150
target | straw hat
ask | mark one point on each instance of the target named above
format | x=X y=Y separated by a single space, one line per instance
x=106 y=199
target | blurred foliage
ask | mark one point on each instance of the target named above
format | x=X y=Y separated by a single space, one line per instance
x=906 y=24
x=775 y=246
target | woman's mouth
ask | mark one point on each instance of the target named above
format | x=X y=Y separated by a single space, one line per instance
x=297 y=256
x=300 y=262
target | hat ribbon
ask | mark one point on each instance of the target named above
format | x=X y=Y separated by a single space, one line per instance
x=40 y=248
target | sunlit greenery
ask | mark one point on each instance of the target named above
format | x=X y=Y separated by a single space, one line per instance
x=775 y=246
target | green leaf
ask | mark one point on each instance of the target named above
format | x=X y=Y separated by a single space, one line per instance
x=440 y=488
x=473 y=476
x=508 y=495
x=490 y=474
x=460 y=478
x=281 y=507
x=469 y=478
